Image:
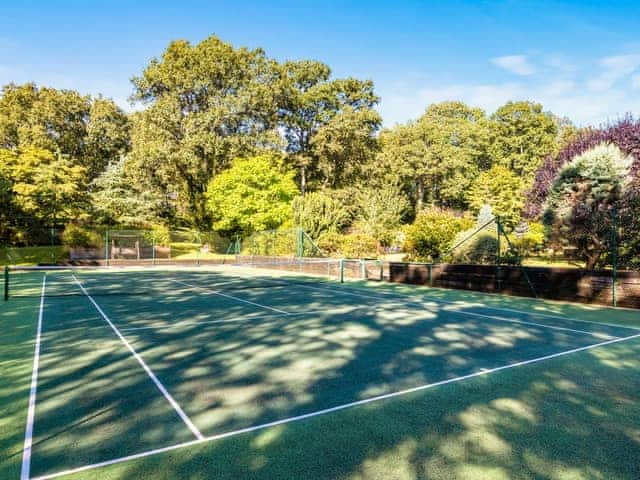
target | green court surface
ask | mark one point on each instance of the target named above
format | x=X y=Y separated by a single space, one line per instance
x=227 y=372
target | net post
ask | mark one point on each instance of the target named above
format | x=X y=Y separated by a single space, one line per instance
x=341 y=273
x=498 y=279
x=106 y=247
x=6 y=283
x=614 y=256
x=300 y=236
x=363 y=269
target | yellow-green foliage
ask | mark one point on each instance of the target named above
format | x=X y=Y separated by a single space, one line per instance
x=531 y=240
x=351 y=245
x=479 y=249
x=255 y=194
x=76 y=236
x=320 y=212
x=433 y=233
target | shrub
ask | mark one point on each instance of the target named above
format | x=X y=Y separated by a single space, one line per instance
x=528 y=239
x=160 y=234
x=433 y=233
x=380 y=211
x=320 y=212
x=76 y=236
x=331 y=243
x=351 y=245
x=359 y=245
x=480 y=249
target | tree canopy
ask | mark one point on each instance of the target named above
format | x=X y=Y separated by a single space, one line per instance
x=228 y=138
x=89 y=132
x=436 y=157
x=523 y=135
x=253 y=194
x=501 y=189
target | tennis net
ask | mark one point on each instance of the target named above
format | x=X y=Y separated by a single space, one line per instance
x=173 y=280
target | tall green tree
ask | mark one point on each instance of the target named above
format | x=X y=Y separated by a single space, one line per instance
x=381 y=208
x=320 y=212
x=89 y=132
x=314 y=105
x=437 y=156
x=45 y=185
x=205 y=105
x=345 y=147
x=523 y=135
x=254 y=194
x=117 y=198
x=107 y=138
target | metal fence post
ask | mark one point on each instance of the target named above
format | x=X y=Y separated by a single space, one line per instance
x=153 y=249
x=106 y=247
x=498 y=279
x=300 y=236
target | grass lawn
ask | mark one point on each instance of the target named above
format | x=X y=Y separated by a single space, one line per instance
x=33 y=255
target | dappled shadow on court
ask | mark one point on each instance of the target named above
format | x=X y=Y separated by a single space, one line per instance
x=570 y=418
x=232 y=365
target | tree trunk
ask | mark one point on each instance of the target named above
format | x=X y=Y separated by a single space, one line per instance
x=419 y=194
x=303 y=180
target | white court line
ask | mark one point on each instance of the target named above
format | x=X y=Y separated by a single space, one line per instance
x=505 y=309
x=146 y=368
x=197 y=287
x=535 y=324
x=31 y=412
x=499 y=319
x=334 y=409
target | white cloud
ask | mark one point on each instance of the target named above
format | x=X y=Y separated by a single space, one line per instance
x=563 y=97
x=559 y=63
x=118 y=91
x=563 y=89
x=614 y=68
x=516 y=64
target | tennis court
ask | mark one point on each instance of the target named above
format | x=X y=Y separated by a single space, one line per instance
x=140 y=363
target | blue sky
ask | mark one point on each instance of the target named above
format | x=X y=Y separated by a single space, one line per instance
x=580 y=59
